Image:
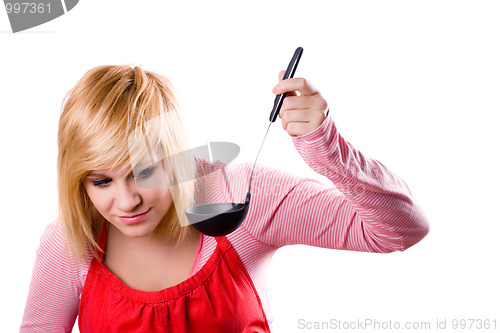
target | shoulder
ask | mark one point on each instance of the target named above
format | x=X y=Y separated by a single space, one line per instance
x=54 y=245
x=262 y=172
x=266 y=180
x=52 y=238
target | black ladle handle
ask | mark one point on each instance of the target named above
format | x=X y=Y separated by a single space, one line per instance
x=290 y=71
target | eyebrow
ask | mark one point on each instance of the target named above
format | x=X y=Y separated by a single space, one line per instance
x=139 y=166
x=96 y=174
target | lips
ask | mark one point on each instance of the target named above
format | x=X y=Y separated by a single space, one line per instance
x=134 y=218
x=131 y=216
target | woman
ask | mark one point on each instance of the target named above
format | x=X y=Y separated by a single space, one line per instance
x=123 y=258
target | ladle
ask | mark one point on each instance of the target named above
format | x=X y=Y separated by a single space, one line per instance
x=219 y=219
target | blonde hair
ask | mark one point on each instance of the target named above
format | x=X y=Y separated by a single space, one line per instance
x=102 y=119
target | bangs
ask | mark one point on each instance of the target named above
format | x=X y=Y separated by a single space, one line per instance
x=125 y=130
x=157 y=140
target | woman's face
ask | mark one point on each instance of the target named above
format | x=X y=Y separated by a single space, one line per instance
x=116 y=196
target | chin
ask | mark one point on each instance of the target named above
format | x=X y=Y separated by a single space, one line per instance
x=137 y=231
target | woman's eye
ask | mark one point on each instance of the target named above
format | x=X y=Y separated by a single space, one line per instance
x=101 y=182
x=145 y=173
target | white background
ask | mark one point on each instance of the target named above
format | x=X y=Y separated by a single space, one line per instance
x=413 y=84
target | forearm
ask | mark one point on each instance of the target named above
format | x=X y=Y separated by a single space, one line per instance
x=382 y=203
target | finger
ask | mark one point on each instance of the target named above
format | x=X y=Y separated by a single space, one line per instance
x=305 y=115
x=281 y=74
x=299 y=128
x=280 y=77
x=299 y=102
x=293 y=115
x=295 y=84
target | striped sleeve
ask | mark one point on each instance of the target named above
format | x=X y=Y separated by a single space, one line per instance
x=54 y=293
x=366 y=208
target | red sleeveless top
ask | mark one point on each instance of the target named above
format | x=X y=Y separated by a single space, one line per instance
x=220 y=297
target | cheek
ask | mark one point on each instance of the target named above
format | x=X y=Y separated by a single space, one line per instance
x=99 y=198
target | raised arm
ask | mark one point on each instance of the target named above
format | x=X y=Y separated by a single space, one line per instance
x=366 y=208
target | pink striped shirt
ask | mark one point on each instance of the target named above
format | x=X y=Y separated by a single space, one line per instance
x=368 y=209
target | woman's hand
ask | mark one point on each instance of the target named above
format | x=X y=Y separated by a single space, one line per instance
x=300 y=114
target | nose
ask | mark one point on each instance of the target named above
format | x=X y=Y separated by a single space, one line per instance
x=128 y=196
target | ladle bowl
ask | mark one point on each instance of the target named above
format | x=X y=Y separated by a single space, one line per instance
x=219 y=219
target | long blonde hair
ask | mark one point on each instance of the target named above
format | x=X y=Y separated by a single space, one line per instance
x=98 y=129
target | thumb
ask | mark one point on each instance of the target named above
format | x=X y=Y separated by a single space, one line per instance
x=281 y=74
